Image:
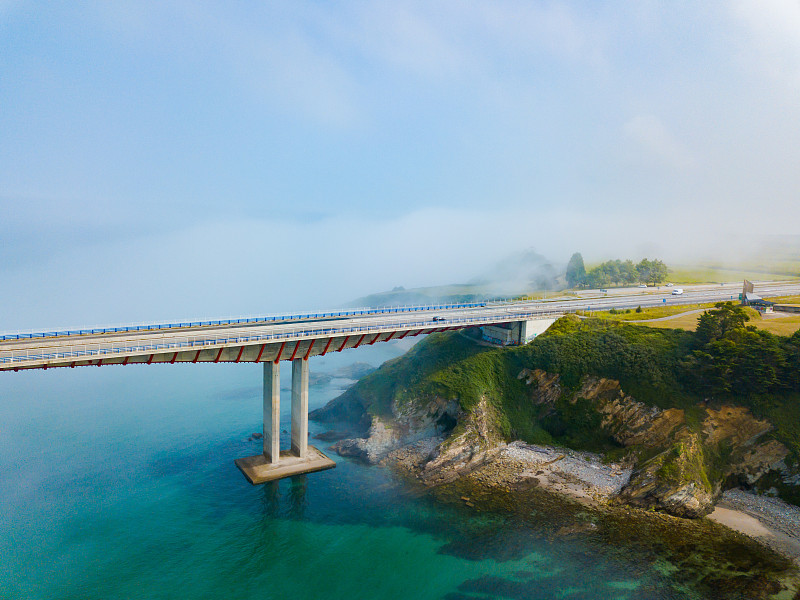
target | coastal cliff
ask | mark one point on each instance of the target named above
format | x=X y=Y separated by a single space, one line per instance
x=600 y=411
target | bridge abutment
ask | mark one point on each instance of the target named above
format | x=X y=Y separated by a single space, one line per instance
x=272 y=463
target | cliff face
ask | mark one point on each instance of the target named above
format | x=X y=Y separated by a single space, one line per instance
x=407 y=424
x=475 y=440
x=687 y=466
x=681 y=458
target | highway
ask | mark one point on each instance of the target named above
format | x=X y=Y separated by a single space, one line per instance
x=286 y=338
x=693 y=294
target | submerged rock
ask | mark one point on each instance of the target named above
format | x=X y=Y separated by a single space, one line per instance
x=332 y=435
x=380 y=441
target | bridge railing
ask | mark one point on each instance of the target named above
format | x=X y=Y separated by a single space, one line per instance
x=289 y=317
x=269 y=319
x=165 y=343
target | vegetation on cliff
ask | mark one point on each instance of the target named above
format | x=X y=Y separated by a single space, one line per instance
x=679 y=443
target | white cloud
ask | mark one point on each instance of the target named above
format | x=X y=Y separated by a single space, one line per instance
x=418 y=39
x=273 y=56
x=317 y=62
x=774 y=28
x=652 y=137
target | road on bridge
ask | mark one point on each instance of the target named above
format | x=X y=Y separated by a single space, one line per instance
x=284 y=338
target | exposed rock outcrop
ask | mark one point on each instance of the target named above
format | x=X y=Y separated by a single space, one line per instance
x=409 y=423
x=380 y=440
x=674 y=481
x=677 y=467
x=349 y=407
x=475 y=441
x=690 y=467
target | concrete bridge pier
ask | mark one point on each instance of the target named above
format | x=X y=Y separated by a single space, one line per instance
x=272 y=463
x=300 y=407
x=272 y=412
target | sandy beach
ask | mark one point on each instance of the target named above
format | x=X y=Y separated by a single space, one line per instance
x=768 y=520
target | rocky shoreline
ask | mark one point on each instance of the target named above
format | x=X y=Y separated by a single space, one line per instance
x=666 y=460
x=778 y=521
x=517 y=469
x=583 y=477
x=569 y=493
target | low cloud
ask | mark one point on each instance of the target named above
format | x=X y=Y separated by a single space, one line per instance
x=257 y=267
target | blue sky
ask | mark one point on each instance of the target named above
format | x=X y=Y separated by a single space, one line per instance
x=170 y=159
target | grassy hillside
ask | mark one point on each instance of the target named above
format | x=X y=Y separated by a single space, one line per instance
x=723 y=362
x=724 y=274
x=778 y=325
x=685 y=317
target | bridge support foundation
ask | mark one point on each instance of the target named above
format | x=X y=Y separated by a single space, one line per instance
x=273 y=463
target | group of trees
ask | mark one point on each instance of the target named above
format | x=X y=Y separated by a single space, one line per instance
x=731 y=357
x=724 y=358
x=615 y=272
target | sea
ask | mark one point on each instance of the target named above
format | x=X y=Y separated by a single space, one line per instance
x=119 y=482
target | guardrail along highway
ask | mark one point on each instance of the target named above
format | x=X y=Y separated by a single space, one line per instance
x=287 y=337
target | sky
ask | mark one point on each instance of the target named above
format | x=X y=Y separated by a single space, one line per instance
x=166 y=160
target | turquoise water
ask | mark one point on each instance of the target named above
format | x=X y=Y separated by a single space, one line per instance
x=119 y=483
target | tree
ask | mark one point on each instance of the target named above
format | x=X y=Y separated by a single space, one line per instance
x=643 y=270
x=718 y=323
x=628 y=271
x=651 y=271
x=576 y=271
x=658 y=271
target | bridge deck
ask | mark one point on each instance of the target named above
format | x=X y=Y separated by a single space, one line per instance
x=285 y=338
x=249 y=342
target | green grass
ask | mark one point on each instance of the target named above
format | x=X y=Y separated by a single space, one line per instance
x=688 y=322
x=400 y=380
x=684 y=322
x=779 y=325
x=784 y=299
x=426 y=295
x=718 y=274
x=655 y=312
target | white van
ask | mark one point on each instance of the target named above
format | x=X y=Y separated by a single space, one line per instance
x=677 y=291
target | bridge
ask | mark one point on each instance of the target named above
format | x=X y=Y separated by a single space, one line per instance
x=267 y=340
x=296 y=338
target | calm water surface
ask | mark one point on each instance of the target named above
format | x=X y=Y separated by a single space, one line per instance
x=119 y=483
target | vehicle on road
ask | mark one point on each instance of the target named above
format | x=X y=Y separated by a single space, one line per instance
x=438 y=318
x=669 y=285
x=643 y=285
x=677 y=291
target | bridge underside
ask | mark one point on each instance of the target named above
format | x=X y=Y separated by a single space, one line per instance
x=246 y=352
x=272 y=463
